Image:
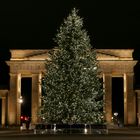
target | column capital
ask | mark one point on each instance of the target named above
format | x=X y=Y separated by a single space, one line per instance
x=107 y=74
x=13 y=74
x=129 y=73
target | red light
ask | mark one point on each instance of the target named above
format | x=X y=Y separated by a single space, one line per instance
x=21 y=117
x=26 y=118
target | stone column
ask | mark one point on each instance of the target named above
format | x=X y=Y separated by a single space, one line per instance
x=108 y=97
x=18 y=98
x=12 y=100
x=138 y=106
x=3 y=119
x=36 y=96
x=129 y=100
x=13 y=96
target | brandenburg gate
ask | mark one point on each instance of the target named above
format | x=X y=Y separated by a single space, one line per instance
x=30 y=63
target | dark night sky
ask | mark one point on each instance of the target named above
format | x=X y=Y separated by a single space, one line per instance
x=30 y=24
x=33 y=24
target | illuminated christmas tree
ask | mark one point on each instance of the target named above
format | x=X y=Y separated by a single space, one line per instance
x=72 y=90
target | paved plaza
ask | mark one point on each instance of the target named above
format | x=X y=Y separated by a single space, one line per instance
x=70 y=137
x=129 y=133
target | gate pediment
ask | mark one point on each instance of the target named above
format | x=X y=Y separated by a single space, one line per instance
x=114 y=54
x=102 y=54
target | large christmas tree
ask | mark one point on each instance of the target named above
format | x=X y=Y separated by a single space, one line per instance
x=72 y=91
